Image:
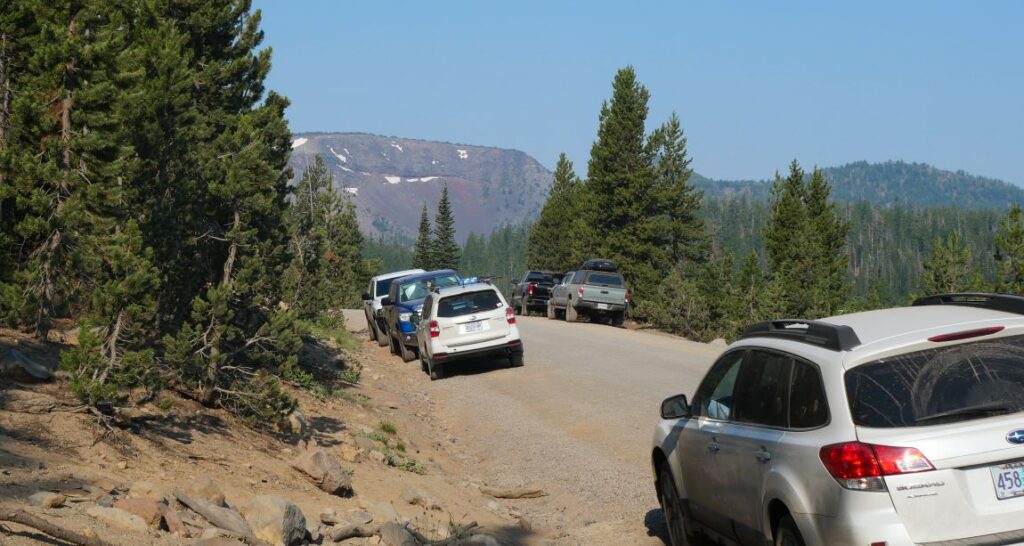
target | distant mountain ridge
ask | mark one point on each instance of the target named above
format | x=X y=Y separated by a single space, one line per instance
x=390 y=178
x=890 y=183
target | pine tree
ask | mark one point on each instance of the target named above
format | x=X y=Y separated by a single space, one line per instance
x=548 y=248
x=789 y=243
x=1009 y=243
x=682 y=226
x=828 y=259
x=620 y=198
x=308 y=220
x=445 y=251
x=948 y=268
x=421 y=256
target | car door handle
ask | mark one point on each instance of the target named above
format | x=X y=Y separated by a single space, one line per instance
x=713 y=446
x=763 y=455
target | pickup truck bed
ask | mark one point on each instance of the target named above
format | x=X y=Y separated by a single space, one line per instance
x=599 y=295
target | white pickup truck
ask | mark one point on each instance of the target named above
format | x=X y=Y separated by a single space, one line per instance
x=600 y=295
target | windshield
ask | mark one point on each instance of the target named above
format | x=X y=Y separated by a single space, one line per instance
x=606 y=279
x=417 y=290
x=537 y=276
x=467 y=304
x=958 y=383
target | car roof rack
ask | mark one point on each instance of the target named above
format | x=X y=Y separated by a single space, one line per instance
x=834 y=337
x=1007 y=303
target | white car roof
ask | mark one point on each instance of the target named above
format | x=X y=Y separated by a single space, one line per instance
x=461 y=289
x=396 y=274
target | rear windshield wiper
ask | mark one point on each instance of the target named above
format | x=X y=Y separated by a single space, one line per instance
x=968 y=412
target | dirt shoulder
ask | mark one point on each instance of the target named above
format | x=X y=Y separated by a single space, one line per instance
x=49 y=443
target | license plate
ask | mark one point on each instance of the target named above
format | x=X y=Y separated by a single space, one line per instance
x=473 y=327
x=1008 y=480
x=602 y=306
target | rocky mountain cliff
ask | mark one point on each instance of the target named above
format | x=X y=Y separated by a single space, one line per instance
x=390 y=179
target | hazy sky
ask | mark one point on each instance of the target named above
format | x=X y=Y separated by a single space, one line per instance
x=756 y=84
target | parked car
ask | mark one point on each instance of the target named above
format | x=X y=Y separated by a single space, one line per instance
x=463 y=322
x=533 y=290
x=599 y=295
x=372 y=308
x=402 y=308
x=897 y=427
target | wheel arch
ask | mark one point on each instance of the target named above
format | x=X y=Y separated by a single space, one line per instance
x=776 y=510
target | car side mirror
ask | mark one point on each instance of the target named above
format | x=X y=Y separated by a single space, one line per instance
x=366 y=296
x=387 y=301
x=675 y=407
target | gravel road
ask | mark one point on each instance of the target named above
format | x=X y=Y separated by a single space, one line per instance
x=577 y=420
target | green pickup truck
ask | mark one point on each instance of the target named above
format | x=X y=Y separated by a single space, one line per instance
x=599 y=295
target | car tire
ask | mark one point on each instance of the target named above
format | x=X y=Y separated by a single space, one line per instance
x=570 y=313
x=436 y=371
x=524 y=309
x=515 y=360
x=618 y=318
x=407 y=354
x=394 y=344
x=382 y=336
x=786 y=533
x=371 y=329
x=551 y=310
x=672 y=506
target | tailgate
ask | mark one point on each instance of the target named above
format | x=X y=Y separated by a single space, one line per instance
x=604 y=294
x=976 y=488
x=473 y=329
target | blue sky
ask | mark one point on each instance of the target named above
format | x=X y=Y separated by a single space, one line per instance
x=756 y=84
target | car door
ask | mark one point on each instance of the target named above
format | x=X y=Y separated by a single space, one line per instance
x=748 y=440
x=560 y=290
x=699 y=447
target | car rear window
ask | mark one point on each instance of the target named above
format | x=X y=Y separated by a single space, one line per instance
x=536 y=276
x=606 y=279
x=936 y=386
x=469 y=303
x=417 y=290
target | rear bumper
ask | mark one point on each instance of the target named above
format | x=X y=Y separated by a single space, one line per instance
x=536 y=301
x=494 y=351
x=587 y=305
x=861 y=530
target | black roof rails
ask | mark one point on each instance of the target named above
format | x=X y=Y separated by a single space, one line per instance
x=996 y=302
x=830 y=336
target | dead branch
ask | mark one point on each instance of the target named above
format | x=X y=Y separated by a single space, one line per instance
x=513 y=493
x=28 y=520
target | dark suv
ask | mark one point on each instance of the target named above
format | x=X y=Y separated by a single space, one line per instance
x=533 y=291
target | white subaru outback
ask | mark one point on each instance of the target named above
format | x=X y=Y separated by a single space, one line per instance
x=467 y=321
x=893 y=427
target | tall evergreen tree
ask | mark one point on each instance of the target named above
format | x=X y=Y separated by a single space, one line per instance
x=1009 y=243
x=421 y=255
x=548 y=248
x=621 y=205
x=681 y=224
x=948 y=268
x=788 y=242
x=829 y=260
x=445 y=251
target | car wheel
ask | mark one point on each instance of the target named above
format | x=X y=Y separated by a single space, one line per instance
x=570 y=313
x=675 y=521
x=371 y=329
x=423 y=363
x=787 y=534
x=382 y=337
x=516 y=360
x=551 y=310
x=407 y=354
x=436 y=372
x=618 y=317
x=524 y=309
x=394 y=344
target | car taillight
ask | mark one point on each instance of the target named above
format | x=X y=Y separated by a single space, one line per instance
x=861 y=466
x=581 y=291
x=435 y=330
x=510 y=315
x=967 y=334
x=530 y=287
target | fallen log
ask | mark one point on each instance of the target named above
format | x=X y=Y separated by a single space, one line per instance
x=28 y=520
x=513 y=493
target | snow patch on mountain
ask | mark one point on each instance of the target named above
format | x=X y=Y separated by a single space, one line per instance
x=340 y=157
x=393 y=179
x=353 y=191
x=397 y=147
x=299 y=142
x=463 y=154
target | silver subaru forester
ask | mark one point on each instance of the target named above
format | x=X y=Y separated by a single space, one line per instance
x=892 y=427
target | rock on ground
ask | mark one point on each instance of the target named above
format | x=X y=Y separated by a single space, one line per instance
x=46 y=499
x=393 y=534
x=204 y=488
x=416 y=497
x=325 y=471
x=18 y=366
x=275 y=520
x=118 y=517
x=151 y=511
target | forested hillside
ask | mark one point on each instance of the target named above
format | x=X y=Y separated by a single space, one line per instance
x=889 y=183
